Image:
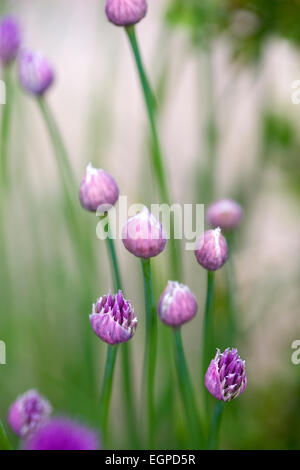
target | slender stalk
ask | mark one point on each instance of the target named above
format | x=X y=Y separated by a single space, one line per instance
x=5 y=126
x=125 y=349
x=4 y=441
x=157 y=157
x=215 y=425
x=207 y=325
x=106 y=387
x=186 y=390
x=150 y=348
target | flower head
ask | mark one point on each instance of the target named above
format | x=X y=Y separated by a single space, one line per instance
x=143 y=235
x=226 y=376
x=225 y=214
x=10 y=39
x=113 y=319
x=35 y=73
x=63 y=434
x=177 y=305
x=28 y=412
x=211 y=250
x=98 y=188
x=125 y=12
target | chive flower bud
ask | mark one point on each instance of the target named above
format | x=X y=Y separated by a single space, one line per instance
x=143 y=235
x=63 y=434
x=125 y=12
x=225 y=213
x=177 y=305
x=28 y=412
x=10 y=39
x=35 y=72
x=226 y=376
x=98 y=188
x=211 y=249
x=113 y=319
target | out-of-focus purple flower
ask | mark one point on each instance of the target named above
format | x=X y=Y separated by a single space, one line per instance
x=98 y=188
x=113 y=319
x=63 y=434
x=35 y=72
x=177 y=305
x=211 y=250
x=225 y=214
x=28 y=412
x=143 y=235
x=226 y=376
x=10 y=39
x=125 y=12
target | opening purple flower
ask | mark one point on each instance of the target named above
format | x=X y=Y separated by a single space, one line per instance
x=113 y=319
x=226 y=376
x=63 y=434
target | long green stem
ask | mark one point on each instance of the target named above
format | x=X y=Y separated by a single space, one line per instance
x=125 y=349
x=106 y=387
x=187 y=393
x=157 y=157
x=4 y=441
x=150 y=348
x=207 y=341
x=215 y=425
x=5 y=126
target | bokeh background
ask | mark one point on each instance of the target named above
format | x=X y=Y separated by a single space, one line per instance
x=222 y=72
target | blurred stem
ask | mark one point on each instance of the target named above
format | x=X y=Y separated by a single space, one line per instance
x=106 y=387
x=150 y=348
x=125 y=348
x=215 y=425
x=208 y=324
x=4 y=441
x=157 y=157
x=186 y=390
x=5 y=126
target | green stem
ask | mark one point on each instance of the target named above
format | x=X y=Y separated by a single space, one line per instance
x=150 y=348
x=215 y=425
x=207 y=342
x=4 y=441
x=125 y=349
x=106 y=387
x=5 y=126
x=187 y=393
x=157 y=158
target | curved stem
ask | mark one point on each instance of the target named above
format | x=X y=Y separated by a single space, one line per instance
x=4 y=441
x=106 y=387
x=125 y=349
x=157 y=158
x=5 y=126
x=150 y=347
x=207 y=341
x=215 y=425
x=187 y=393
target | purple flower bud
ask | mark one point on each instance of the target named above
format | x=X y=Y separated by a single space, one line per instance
x=225 y=214
x=113 y=319
x=28 y=412
x=143 y=235
x=98 y=188
x=63 y=434
x=35 y=73
x=211 y=250
x=226 y=376
x=10 y=39
x=125 y=12
x=177 y=305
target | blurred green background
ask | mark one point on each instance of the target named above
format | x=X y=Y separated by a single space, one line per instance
x=222 y=72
